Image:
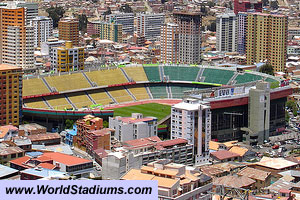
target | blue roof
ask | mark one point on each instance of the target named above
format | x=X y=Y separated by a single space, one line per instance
x=73 y=131
x=42 y=172
x=5 y=171
x=34 y=154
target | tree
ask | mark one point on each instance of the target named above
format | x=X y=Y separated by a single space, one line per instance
x=212 y=26
x=291 y=104
x=82 y=22
x=105 y=124
x=265 y=2
x=69 y=124
x=125 y=8
x=107 y=12
x=267 y=69
x=55 y=13
x=211 y=4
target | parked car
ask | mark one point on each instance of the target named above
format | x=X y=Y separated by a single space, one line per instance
x=276 y=146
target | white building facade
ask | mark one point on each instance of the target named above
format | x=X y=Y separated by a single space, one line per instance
x=149 y=25
x=43 y=29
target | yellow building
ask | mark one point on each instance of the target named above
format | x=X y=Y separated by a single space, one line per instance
x=10 y=94
x=267 y=39
x=67 y=58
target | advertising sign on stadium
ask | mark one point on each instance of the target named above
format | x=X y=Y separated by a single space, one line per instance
x=230 y=91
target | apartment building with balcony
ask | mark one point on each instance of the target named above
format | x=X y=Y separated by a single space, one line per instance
x=68 y=30
x=149 y=25
x=126 y=19
x=43 y=29
x=169 y=43
x=67 y=58
x=105 y=30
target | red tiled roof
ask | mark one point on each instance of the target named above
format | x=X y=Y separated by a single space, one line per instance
x=150 y=141
x=47 y=165
x=66 y=159
x=21 y=161
x=101 y=152
x=101 y=132
x=224 y=154
x=172 y=142
x=134 y=120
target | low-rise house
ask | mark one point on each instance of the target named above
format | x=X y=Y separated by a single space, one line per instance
x=23 y=142
x=70 y=134
x=31 y=129
x=224 y=156
x=8 y=153
x=235 y=182
x=244 y=153
x=175 y=181
x=222 y=169
x=46 y=139
x=39 y=172
x=262 y=178
x=7 y=172
x=53 y=160
x=7 y=132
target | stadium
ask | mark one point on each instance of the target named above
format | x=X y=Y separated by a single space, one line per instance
x=72 y=95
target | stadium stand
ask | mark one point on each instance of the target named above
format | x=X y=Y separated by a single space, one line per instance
x=177 y=91
x=107 y=77
x=100 y=97
x=80 y=100
x=68 y=82
x=158 y=91
x=139 y=92
x=36 y=103
x=177 y=73
x=247 y=77
x=34 y=86
x=136 y=73
x=152 y=73
x=58 y=102
x=120 y=94
x=270 y=80
x=217 y=75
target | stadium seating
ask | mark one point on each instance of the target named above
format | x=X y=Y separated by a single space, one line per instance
x=100 y=97
x=152 y=73
x=247 y=77
x=120 y=95
x=68 y=82
x=158 y=91
x=58 y=102
x=136 y=73
x=176 y=73
x=217 y=75
x=139 y=92
x=107 y=77
x=36 y=103
x=80 y=100
x=177 y=91
x=34 y=86
x=270 y=80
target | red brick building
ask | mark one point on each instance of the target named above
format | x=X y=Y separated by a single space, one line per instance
x=245 y=5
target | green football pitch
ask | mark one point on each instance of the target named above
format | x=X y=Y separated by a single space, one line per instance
x=151 y=109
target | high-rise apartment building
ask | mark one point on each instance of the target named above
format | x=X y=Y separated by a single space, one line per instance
x=43 y=29
x=10 y=94
x=105 y=30
x=126 y=19
x=67 y=58
x=226 y=27
x=191 y=120
x=241 y=35
x=267 y=39
x=68 y=30
x=149 y=25
x=169 y=41
x=189 y=24
x=245 y=5
x=16 y=36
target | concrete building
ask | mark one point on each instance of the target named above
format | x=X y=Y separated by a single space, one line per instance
x=47 y=47
x=175 y=181
x=169 y=43
x=67 y=58
x=226 y=27
x=68 y=30
x=8 y=132
x=267 y=39
x=241 y=32
x=16 y=36
x=134 y=127
x=11 y=94
x=39 y=173
x=149 y=25
x=292 y=32
x=126 y=19
x=43 y=29
x=8 y=153
x=105 y=30
x=259 y=114
x=246 y=5
x=31 y=129
x=187 y=120
x=71 y=165
x=143 y=151
x=189 y=24
x=45 y=139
